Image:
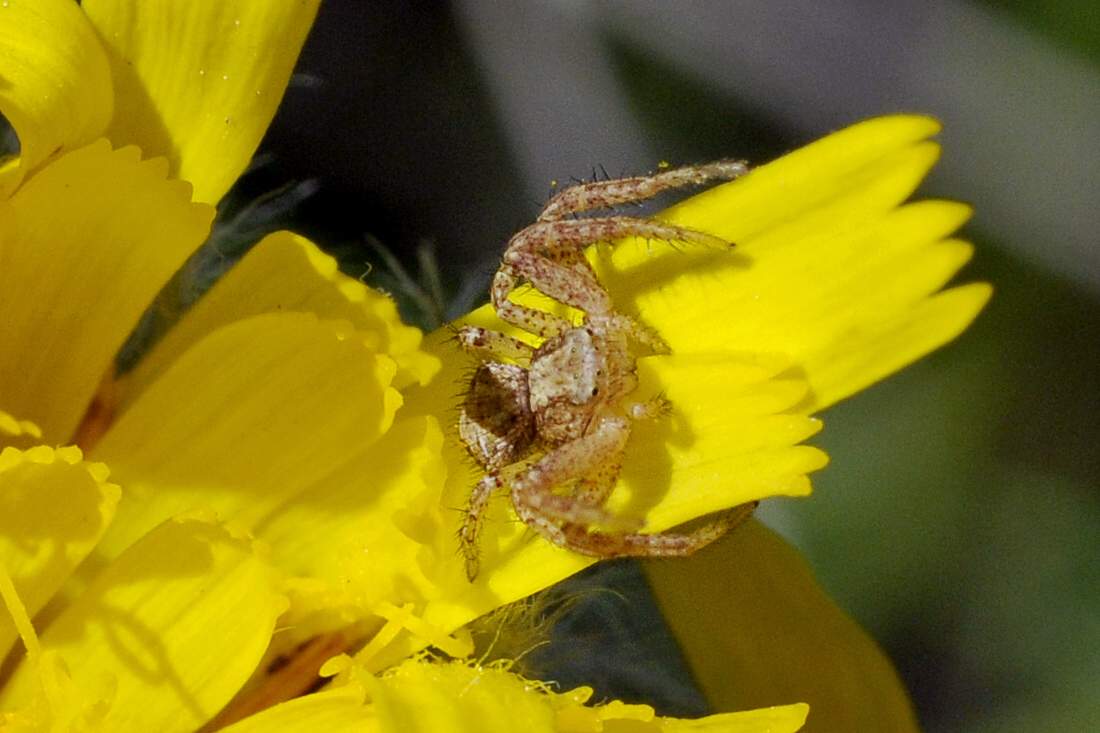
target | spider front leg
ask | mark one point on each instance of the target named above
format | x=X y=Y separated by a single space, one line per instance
x=605 y=194
x=547 y=237
x=530 y=256
x=563 y=284
x=595 y=488
x=575 y=288
x=532 y=320
x=595 y=456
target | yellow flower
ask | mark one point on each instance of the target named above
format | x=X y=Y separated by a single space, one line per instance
x=281 y=467
x=833 y=286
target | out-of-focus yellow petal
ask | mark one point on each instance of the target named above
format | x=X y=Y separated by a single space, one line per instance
x=252 y=414
x=198 y=82
x=285 y=272
x=39 y=545
x=757 y=630
x=167 y=633
x=366 y=534
x=55 y=83
x=453 y=696
x=85 y=243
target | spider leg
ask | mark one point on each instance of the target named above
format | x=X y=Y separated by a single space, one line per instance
x=561 y=283
x=554 y=237
x=577 y=233
x=541 y=524
x=471 y=526
x=639 y=333
x=572 y=257
x=596 y=487
x=665 y=544
x=532 y=320
x=493 y=344
x=577 y=289
x=532 y=490
x=605 y=194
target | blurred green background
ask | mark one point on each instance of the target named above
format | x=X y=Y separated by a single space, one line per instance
x=958 y=520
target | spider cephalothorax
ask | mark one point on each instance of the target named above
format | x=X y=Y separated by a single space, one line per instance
x=557 y=417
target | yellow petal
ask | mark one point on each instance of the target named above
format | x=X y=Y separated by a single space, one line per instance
x=824 y=258
x=762 y=296
x=285 y=272
x=198 y=82
x=757 y=630
x=779 y=719
x=732 y=437
x=880 y=161
x=39 y=545
x=166 y=634
x=828 y=290
x=878 y=349
x=86 y=243
x=442 y=697
x=365 y=535
x=331 y=711
x=422 y=696
x=55 y=83
x=248 y=417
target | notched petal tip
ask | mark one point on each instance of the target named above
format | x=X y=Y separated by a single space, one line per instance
x=835 y=259
x=199 y=82
x=56 y=91
x=286 y=273
x=261 y=409
x=95 y=234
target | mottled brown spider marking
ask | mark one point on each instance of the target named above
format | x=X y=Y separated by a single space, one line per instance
x=497 y=423
x=551 y=424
